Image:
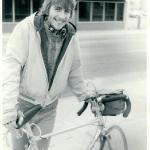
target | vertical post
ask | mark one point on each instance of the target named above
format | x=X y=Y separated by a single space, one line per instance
x=138 y=22
x=31 y=7
x=77 y=13
x=103 y=11
x=13 y=10
x=91 y=11
x=125 y=14
x=115 y=17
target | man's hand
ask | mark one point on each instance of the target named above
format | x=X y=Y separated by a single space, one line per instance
x=96 y=107
x=9 y=122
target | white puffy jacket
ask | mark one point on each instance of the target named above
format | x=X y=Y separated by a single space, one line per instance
x=25 y=74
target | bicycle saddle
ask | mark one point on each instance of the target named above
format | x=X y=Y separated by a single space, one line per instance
x=27 y=115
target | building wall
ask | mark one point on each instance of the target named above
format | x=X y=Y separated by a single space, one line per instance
x=18 y=9
x=7 y=27
x=101 y=14
x=101 y=26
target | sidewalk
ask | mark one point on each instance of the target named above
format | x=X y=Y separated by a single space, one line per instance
x=95 y=34
x=135 y=85
x=133 y=126
x=90 y=38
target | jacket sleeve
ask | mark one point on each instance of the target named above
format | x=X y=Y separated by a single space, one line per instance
x=14 y=59
x=76 y=80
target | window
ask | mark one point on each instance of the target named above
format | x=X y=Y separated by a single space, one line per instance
x=109 y=11
x=22 y=9
x=37 y=4
x=120 y=10
x=101 y=11
x=7 y=10
x=16 y=10
x=97 y=11
x=84 y=11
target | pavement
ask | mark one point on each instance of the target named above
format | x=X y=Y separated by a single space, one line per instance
x=134 y=126
x=94 y=33
x=134 y=82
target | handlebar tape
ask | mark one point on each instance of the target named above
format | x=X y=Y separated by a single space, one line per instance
x=82 y=108
x=28 y=115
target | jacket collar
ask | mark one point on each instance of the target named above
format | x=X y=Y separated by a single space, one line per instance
x=39 y=21
x=71 y=29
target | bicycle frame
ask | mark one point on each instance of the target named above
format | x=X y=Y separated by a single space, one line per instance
x=97 y=107
x=33 y=139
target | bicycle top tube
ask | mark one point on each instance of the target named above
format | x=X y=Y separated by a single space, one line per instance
x=75 y=127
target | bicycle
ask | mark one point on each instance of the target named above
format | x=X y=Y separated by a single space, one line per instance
x=104 y=137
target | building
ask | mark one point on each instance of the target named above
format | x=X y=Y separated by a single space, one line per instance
x=89 y=14
x=16 y=10
x=101 y=14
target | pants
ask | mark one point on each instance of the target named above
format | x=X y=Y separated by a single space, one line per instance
x=45 y=119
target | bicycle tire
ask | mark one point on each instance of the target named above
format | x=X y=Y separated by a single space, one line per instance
x=114 y=140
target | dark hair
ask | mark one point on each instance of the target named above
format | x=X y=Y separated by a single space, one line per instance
x=44 y=10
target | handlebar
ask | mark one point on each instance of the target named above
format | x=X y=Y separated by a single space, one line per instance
x=109 y=98
x=83 y=108
x=104 y=98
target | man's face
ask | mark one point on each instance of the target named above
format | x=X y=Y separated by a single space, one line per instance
x=58 y=16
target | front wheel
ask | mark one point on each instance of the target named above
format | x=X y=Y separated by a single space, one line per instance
x=116 y=138
x=113 y=139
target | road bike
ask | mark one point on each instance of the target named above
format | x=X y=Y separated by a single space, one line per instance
x=102 y=105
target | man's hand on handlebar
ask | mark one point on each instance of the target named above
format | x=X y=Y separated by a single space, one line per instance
x=110 y=104
x=94 y=105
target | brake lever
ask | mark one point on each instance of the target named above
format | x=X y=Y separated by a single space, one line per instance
x=83 y=108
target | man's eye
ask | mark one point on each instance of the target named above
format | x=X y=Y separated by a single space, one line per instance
x=58 y=8
x=67 y=10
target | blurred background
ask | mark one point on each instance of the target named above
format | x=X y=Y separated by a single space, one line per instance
x=112 y=36
x=89 y=14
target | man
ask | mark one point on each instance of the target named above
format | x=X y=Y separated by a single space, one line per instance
x=42 y=56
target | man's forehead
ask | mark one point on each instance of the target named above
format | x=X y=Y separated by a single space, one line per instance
x=61 y=6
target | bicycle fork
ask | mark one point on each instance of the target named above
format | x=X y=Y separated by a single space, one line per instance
x=94 y=140
x=105 y=137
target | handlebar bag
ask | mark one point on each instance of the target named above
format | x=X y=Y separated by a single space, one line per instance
x=113 y=105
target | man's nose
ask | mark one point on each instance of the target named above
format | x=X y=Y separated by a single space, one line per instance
x=63 y=15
